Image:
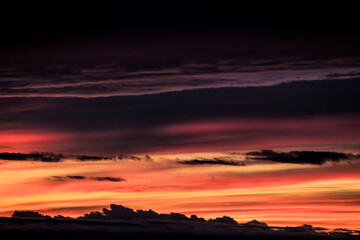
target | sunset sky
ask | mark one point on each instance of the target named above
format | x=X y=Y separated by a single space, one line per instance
x=251 y=120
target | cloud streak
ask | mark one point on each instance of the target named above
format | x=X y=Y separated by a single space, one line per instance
x=301 y=157
x=105 y=80
x=36 y=156
x=214 y=161
x=54 y=157
x=71 y=177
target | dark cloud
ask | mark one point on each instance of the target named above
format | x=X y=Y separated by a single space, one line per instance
x=53 y=157
x=347 y=74
x=36 y=156
x=224 y=219
x=120 y=212
x=101 y=179
x=125 y=222
x=77 y=177
x=92 y=158
x=213 y=161
x=29 y=214
x=300 y=157
x=124 y=156
x=256 y=224
x=110 y=179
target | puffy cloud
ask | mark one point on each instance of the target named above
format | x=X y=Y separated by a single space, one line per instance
x=29 y=214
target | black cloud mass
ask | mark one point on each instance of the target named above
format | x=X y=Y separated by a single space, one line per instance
x=120 y=221
x=301 y=157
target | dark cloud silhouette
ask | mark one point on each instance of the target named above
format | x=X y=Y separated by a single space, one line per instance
x=29 y=214
x=127 y=223
x=213 y=161
x=101 y=179
x=300 y=157
x=110 y=179
x=125 y=156
x=224 y=219
x=53 y=157
x=92 y=158
x=77 y=177
x=119 y=212
x=36 y=156
x=256 y=224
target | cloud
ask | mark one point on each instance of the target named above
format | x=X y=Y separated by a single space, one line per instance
x=110 y=179
x=344 y=74
x=92 y=158
x=312 y=110
x=36 y=156
x=29 y=214
x=132 y=78
x=77 y=177
x=100 y=179
x=120 y=212
x=300 y=157
x=224 y=219
x=53 y=157
x=214 y=161
x=120 y=220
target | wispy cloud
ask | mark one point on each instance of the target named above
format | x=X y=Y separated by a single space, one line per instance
x=101 y=80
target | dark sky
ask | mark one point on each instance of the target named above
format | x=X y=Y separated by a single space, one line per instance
x=53 y=20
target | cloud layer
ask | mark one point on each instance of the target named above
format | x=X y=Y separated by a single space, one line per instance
x=120 y=220
x=309 y=112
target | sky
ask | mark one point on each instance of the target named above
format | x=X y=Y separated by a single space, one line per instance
x=193 y=108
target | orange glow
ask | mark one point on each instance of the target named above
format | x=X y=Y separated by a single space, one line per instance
x=279 y=194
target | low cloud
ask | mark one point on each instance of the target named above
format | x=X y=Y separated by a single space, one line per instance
x=301 y=157
x=122 y=221
x=110 y=179
x=54 y=157
x=101 y=179
x=119 y=212
x=213 y=161
x=29 y=214
x=36 y=156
